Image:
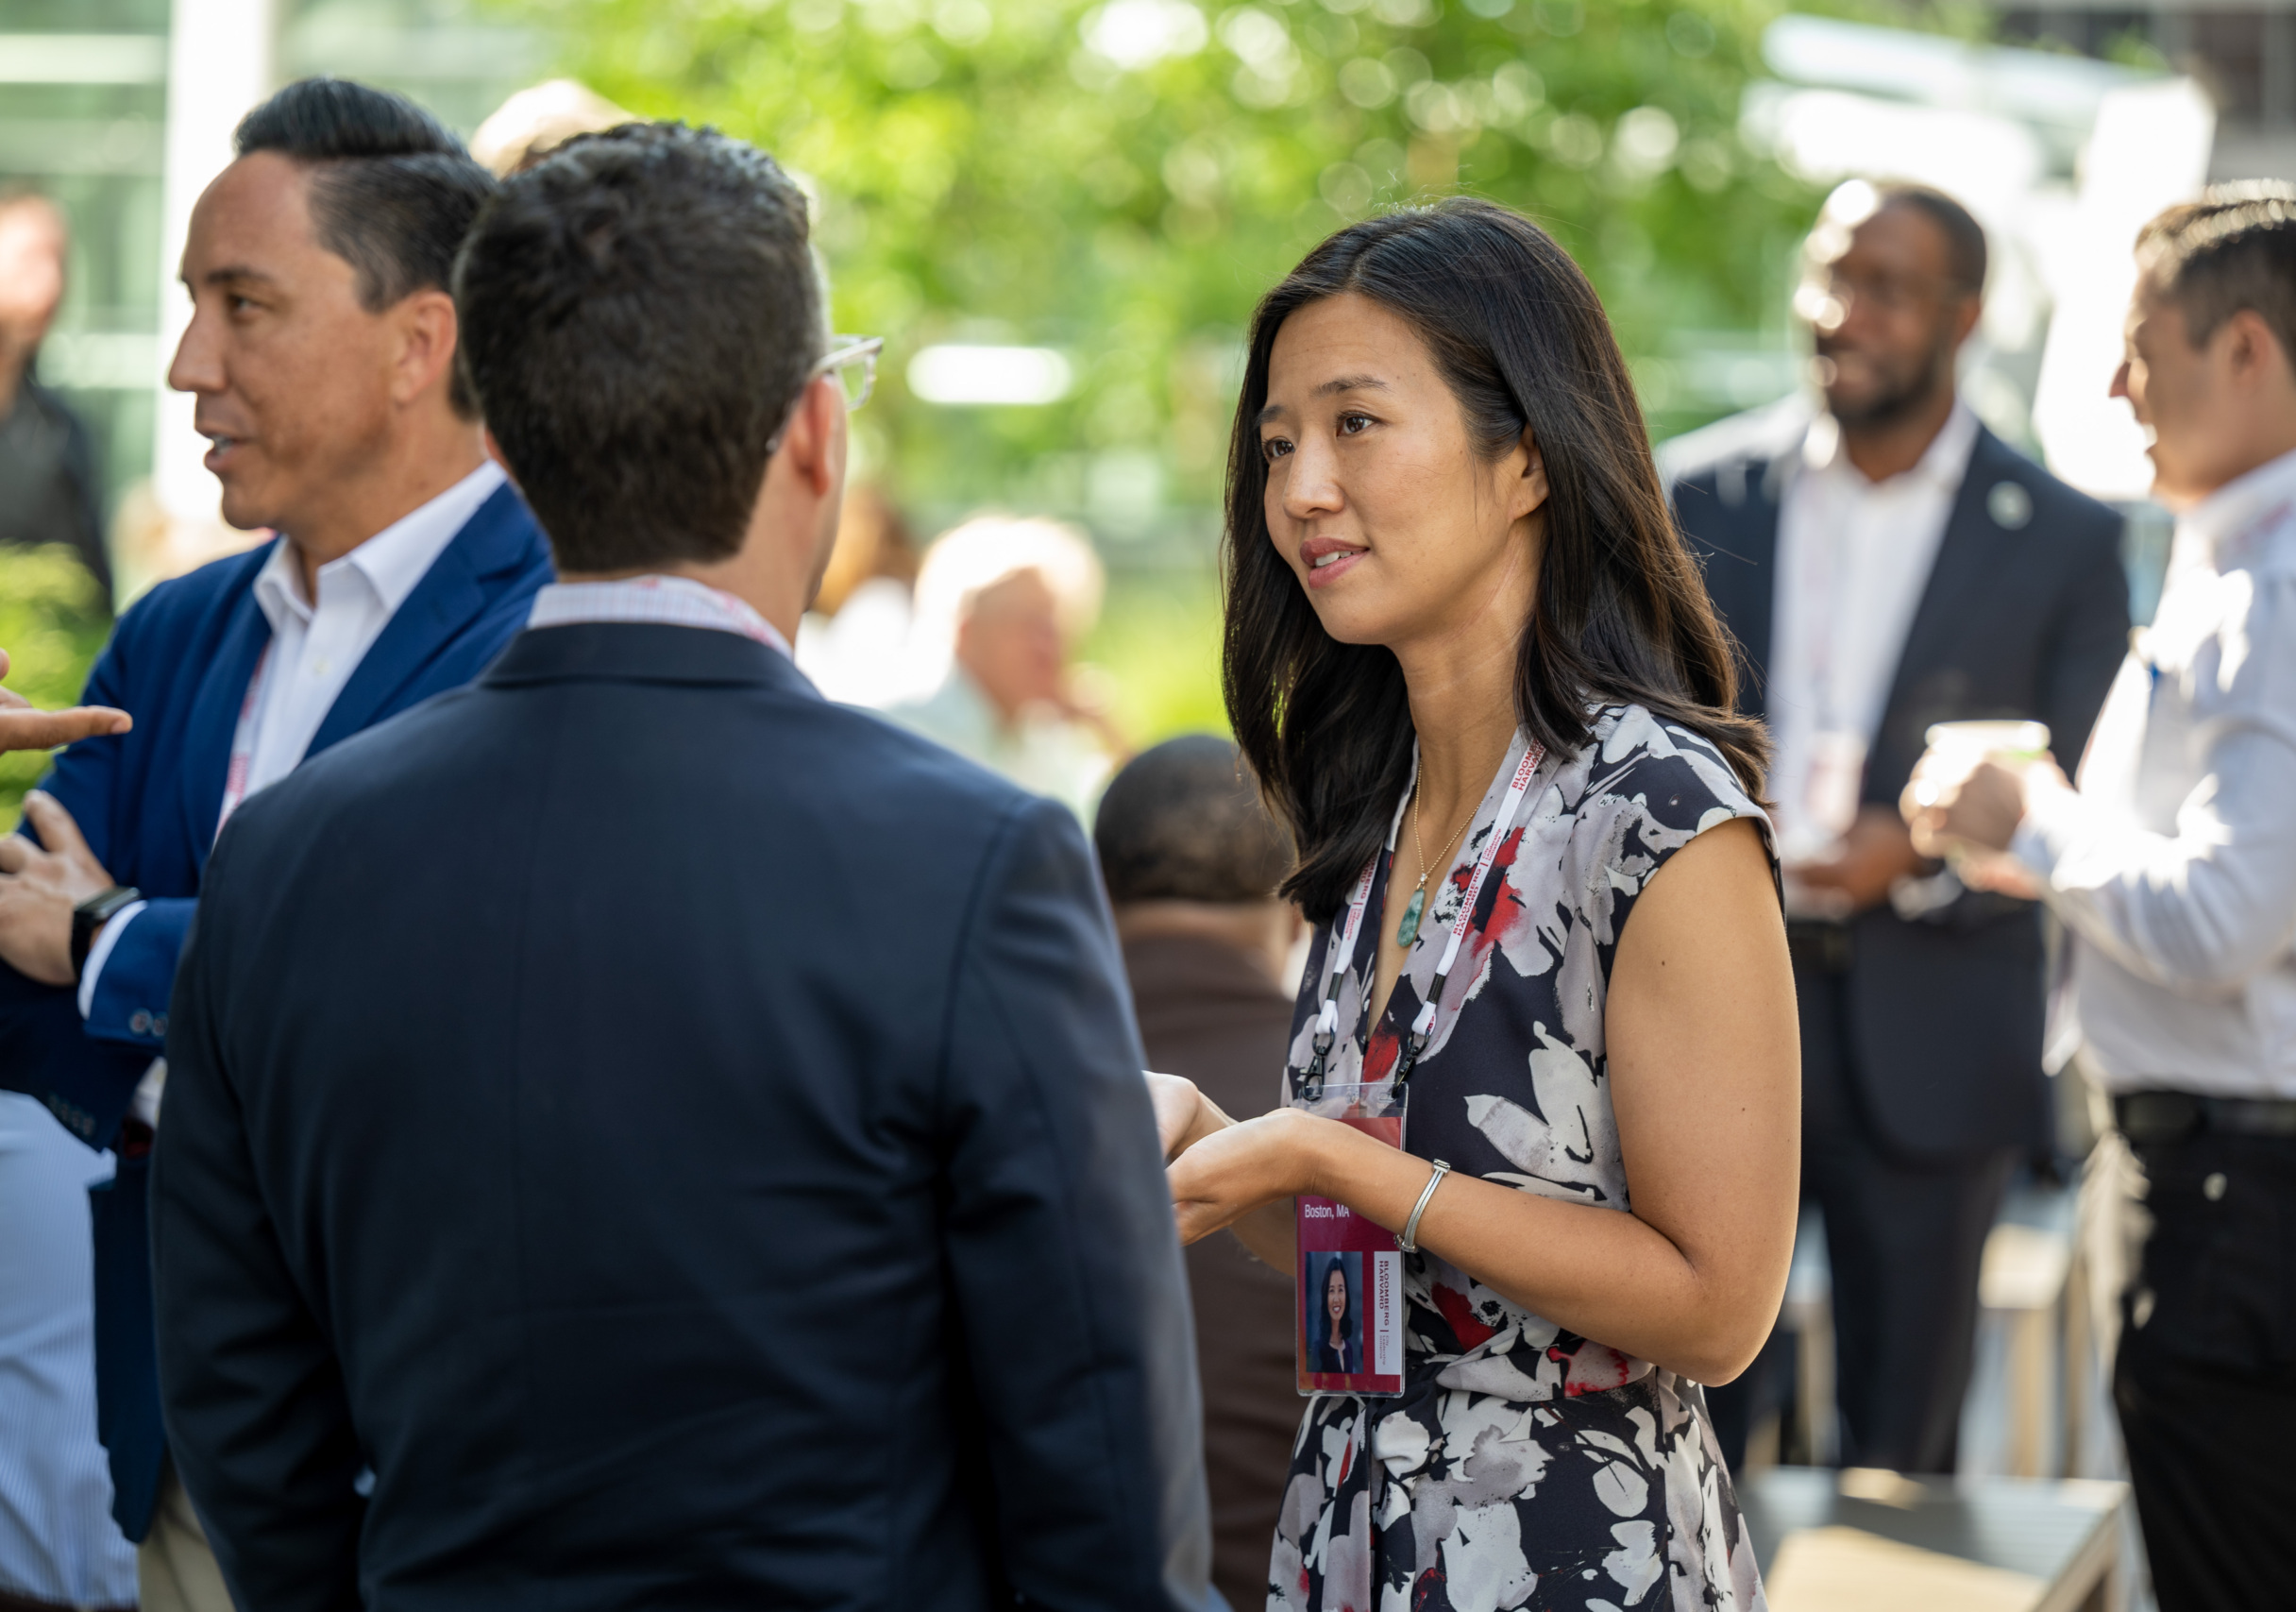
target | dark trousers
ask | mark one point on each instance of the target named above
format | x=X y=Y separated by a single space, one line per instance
x=2205 y=1377
x=1904 y=1237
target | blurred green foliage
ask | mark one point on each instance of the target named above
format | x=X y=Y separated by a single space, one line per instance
x=1121 y=180
x=52 y=622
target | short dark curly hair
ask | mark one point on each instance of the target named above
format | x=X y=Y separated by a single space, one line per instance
x=1183 y=822
x=2233 y=248
x=640 y=311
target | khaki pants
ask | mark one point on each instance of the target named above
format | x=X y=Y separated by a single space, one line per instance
x=174 y=1569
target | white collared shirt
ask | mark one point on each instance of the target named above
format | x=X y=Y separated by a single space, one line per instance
x=316 y=644
x=1853 y=559
x=655 y=600
x=2174 y=865
x=314 y=647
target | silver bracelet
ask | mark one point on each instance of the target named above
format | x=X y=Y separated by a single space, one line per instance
x=1410 y=1227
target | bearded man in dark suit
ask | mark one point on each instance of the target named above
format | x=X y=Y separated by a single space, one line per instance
x=1884 y=564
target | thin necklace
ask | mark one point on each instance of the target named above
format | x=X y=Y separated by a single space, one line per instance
x=1407 y=932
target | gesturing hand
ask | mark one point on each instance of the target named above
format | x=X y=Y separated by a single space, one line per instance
x=21 y=727
x=39 y=890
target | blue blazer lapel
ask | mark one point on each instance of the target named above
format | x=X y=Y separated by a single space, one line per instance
x=215 y=717
x=499 y=539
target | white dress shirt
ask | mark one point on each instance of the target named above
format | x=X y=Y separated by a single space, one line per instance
x=1853 y=559
x=315 y=646
x=2175 y=864
x=317 y=643
x=657 y=601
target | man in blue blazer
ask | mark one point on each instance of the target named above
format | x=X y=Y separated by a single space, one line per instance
x=321 y=352
x=669 y=1140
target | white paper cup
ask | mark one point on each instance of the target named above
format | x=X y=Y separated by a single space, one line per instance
x=1963 y=746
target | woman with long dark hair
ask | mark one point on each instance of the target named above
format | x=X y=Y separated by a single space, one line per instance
x=1331 y=1323
x=1475 y=672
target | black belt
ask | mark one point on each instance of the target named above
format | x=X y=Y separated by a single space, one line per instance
x=1819 y=944
x=2172 y=1117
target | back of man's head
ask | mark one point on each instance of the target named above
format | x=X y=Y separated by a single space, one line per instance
x=392 y=192
x=2233 y=249
x=1183 y=822
x=640 y=312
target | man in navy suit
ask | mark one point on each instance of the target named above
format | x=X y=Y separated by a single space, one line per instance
x=322 y=354
x=669 y=1140
x=1886 y=565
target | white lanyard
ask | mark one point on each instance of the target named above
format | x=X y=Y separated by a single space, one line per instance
x=1343 y=943
x=243 y=741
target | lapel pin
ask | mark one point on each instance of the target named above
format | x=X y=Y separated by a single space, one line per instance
x=2010 y=505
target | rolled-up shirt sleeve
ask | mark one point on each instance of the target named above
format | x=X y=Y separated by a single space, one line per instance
x=2204 y=906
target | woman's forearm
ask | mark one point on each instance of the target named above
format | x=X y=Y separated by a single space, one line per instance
x=1268 y=1232
x=1596 y=1272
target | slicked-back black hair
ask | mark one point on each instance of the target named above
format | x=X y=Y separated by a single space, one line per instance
x=640 y=313
x=1184 y=821
x=392 y=192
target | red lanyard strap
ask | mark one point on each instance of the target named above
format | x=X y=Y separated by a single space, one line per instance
x=1423 y=1026
x=1343 y=943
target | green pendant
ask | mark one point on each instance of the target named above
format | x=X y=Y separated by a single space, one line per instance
x=1407 y=932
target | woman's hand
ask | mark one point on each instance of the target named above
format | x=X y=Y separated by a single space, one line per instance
x=1184 y=1115
x=1241 y=1168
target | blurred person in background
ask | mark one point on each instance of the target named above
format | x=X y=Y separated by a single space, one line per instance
x=2174 y=868
x=1193 y=861
x=321 y=352
x=667 y=1229
x=59 y=1547
x=49 y=490
x=1005 y=601
x=1886 y=565
x=854 y=642
x=536 y=121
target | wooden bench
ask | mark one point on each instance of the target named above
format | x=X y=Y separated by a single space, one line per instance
x=1864 y=1540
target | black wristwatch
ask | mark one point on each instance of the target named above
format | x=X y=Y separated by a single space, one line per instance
x=91 y=915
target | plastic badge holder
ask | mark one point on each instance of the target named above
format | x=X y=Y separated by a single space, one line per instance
x=1348 y=1273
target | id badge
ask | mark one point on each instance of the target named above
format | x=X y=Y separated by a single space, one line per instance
x=1347 y=1271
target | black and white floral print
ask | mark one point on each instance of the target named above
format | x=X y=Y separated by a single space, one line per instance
x=1522 y=1466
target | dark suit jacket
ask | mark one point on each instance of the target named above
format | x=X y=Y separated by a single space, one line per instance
x=147 y=800
x=2026 y=620
x=687 y=1139
x=1207 y=1012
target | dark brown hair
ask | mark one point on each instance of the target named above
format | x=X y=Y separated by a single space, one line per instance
x=640 y=313
x=1621 y=614
x=1184 y=821
x=2233 y=248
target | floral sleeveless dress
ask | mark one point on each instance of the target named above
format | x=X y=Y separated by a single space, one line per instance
x=1522 y=1466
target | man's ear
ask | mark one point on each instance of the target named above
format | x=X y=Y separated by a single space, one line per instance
x=2251 y=349
x=815 y=444
x=427 y=330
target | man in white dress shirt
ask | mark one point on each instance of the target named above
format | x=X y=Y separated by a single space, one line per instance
x=1884 y=564
x=321 y=351
x=2174 y=867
